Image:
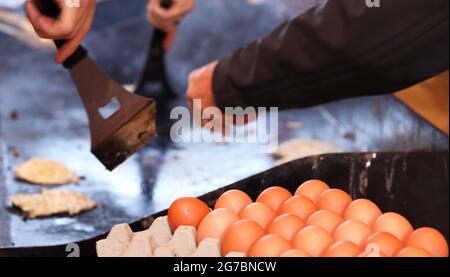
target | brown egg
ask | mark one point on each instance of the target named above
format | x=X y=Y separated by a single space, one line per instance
x=233 y=200
x=187 y=211
x=334 y=200
x=270 y=246
x=295 y=253
x=413 y=252
x=372 y=251
x=342 y=249
x=353 y=231
x=363 y=210
x=387 y=243
x=313 y=240
x=258 y=212
x=326 y=219
x=241 y=236
x=429 y=239
x=395 y=224
x=286 y=226
x=312 y=189
x=274 y=197
x=215 y=224
x=299 y=205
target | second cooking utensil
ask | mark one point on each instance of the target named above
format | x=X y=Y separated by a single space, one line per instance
x=153 y=82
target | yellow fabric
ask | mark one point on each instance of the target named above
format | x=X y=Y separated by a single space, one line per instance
x=430 y=99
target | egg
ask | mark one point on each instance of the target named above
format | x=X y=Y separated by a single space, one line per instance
x=326 y=219
x=241 y=236
x=274 y=197
x=342 y=249
x=386 y=242
x=286 y=226
x=353 y=231
x=334 y=200
x=258 y=212
x=270 y=246
x=363 y=210
x=429 y=239
x=299 y=205
x=313 y=240
x=395 y=224
x=295 y=253
x=312 y=189
x=187 y=211
x=372 y=251
x=215 y=224
x=413 y=252
x=233 y=200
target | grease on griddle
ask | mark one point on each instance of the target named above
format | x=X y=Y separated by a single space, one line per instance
x=13 y=114
x=15 y=151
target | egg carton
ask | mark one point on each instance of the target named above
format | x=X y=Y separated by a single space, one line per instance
x=158 y=241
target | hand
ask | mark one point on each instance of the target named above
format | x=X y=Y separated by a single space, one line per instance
x=200 y=88
x=168 y=19
x=72 y=24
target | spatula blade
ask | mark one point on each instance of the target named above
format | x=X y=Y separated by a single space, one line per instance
x=131 y=127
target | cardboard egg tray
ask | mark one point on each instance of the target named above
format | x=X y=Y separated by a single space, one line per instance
x=158 y=241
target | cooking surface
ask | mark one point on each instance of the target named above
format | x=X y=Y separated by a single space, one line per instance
x=51 y=122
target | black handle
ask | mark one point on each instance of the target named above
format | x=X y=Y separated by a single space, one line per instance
x=51 y=9
x=159 y=35
x=166 y=3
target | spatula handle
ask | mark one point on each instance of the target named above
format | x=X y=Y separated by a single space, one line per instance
x=51 y=9
x=159 y=35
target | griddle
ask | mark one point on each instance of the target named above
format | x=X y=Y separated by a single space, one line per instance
x=414 y=184
x=164 y=171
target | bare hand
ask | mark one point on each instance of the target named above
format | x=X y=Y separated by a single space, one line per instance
x=168 y=19
x=200 y=87
x=72 y=24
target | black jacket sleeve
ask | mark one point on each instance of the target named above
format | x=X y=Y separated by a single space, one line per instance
x=338 y=50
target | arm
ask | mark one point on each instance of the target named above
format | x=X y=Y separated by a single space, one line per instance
x=338 y=50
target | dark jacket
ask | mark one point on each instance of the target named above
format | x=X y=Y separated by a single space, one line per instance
x=338 y=50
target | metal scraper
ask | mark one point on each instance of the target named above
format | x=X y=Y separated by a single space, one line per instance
x=116 y=137
x=154 y=82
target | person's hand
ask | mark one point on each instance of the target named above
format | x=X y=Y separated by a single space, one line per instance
x=72 y=24
x=200 y=88
x=168 y=19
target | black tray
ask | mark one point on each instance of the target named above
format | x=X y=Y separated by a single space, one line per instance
x=415 y=184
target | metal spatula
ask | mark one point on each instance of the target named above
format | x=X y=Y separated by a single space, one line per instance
x=116 y=137
x=154 y=82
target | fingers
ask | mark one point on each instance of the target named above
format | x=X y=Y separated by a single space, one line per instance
x=200 y=88
x=65 y=26
x=170 y=38
x=168 y=19
x=72 y=24
x=71 y=45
